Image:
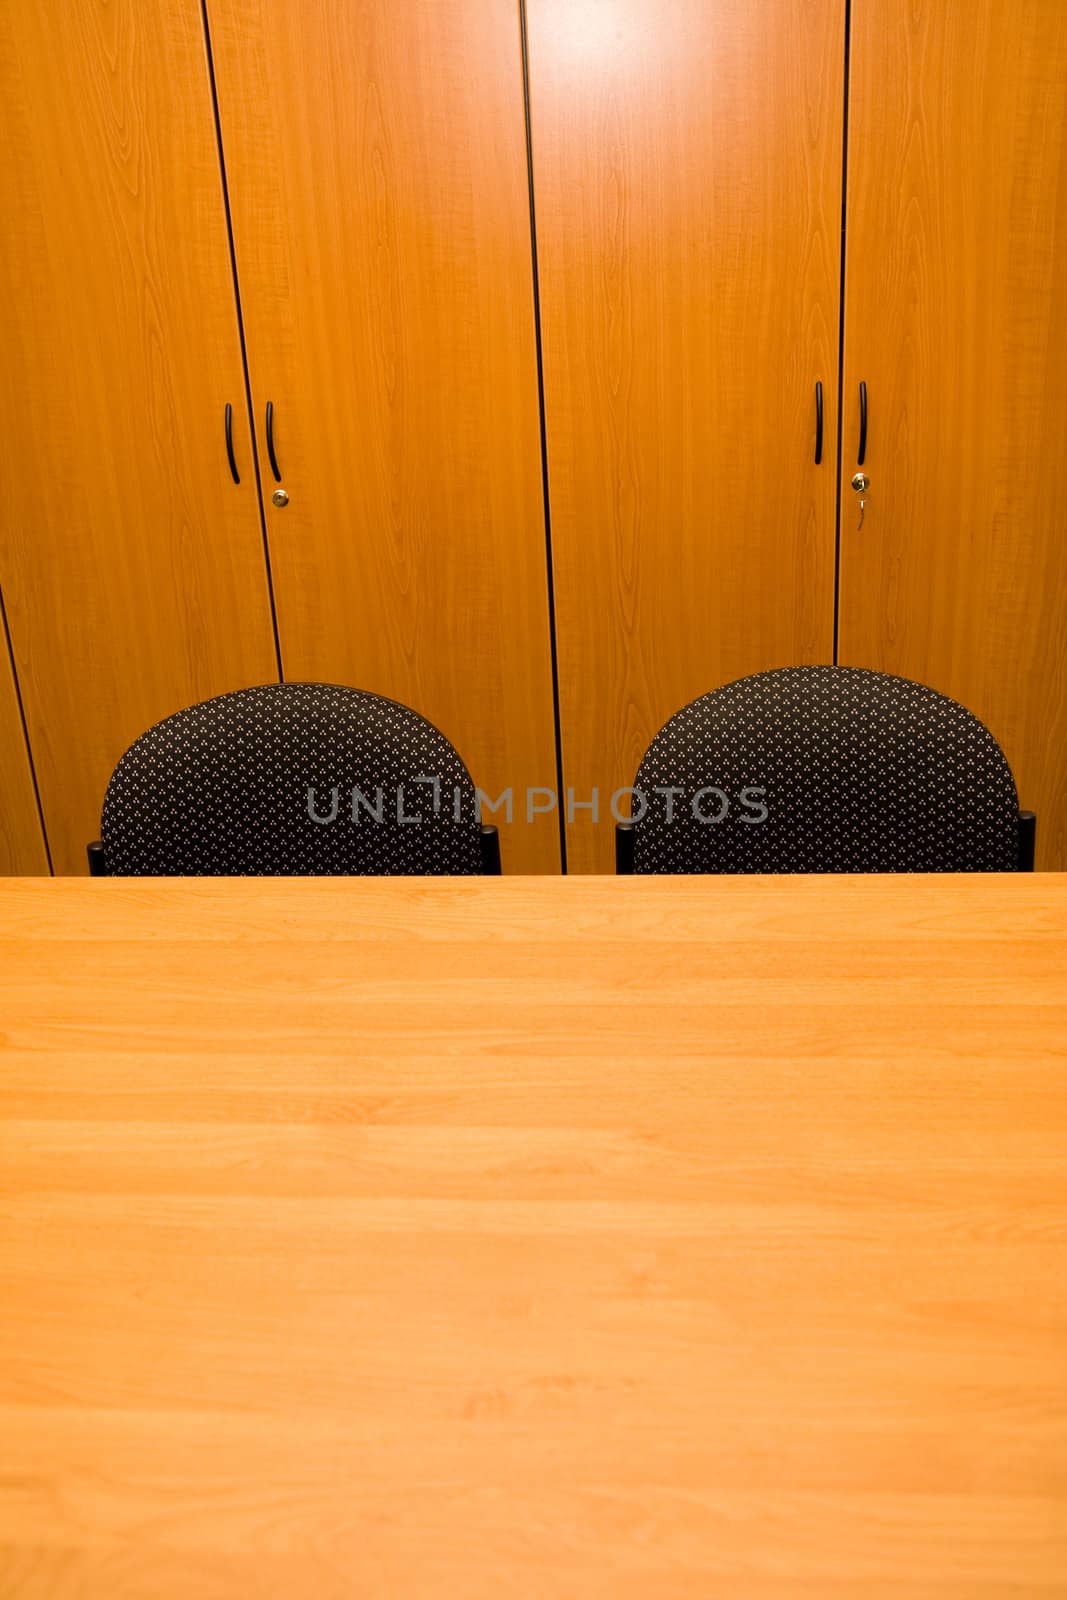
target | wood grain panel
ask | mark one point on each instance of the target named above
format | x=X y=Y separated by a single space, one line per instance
x=22 y=849
x=377 y=164
x=132 y=566
x=956 y=318
x=687 y=166
x=410 y=1238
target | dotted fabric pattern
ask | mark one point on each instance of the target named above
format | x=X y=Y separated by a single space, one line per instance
x=222 y=789
x=862 y=772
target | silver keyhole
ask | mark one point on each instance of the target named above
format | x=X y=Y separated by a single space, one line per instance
x=279 y=498
x=860 y=482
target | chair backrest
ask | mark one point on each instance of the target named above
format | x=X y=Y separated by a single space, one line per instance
x=825 y=769
x=247 y=784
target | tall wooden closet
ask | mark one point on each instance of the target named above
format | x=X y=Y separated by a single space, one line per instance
x=956 y=320
x=379 y=187
x=687 y=171
x=349 y=252
x=131 y=564
x=376 y=158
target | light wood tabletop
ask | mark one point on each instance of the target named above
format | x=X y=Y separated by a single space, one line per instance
x=534 y=1237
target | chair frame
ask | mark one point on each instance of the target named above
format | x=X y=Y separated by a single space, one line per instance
x=489 y=844
x=625 y=841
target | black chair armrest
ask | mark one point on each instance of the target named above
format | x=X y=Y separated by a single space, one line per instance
x=1027 y=840
x=490 y=842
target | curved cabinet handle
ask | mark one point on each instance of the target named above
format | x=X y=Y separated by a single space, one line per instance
x=861 y=457
x=270 y=442
x=234 y=474
x=818 y=424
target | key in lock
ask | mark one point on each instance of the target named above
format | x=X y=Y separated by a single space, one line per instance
x=861 y=483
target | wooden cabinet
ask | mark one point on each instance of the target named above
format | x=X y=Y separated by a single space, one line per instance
x=376 y=162
x=687 y=189
x=687 y=176
x=131 y=565
x=956 y=319
x=687 y=163
x=22 y=851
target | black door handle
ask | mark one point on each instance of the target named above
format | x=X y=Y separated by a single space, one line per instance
x=270 y=442
x=863 y=426
x=818 y=424
x=235 y=475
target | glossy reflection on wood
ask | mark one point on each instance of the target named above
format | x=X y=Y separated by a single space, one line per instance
x=22 y=849
x=603 y=1237
x=687 y=166
x=377 y=164
x=956 y=318
x=132 y=566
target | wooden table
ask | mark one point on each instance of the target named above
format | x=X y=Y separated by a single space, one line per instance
x=616 y=1238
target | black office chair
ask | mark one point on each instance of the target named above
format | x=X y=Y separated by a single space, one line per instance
x=825 y=769
x=293 y=779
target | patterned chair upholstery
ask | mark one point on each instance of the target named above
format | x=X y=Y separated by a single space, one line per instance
x=825 y=769
x=235 y=785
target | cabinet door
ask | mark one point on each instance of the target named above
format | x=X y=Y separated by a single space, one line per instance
x=687 y=177
x=956 y=319
x=22 y=852
x=131 y=564
x=376 y=159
